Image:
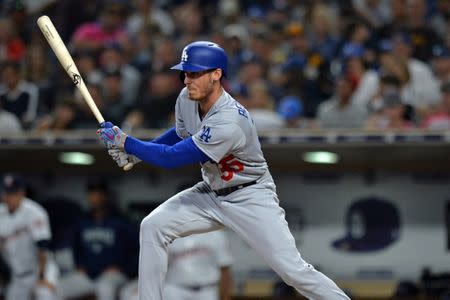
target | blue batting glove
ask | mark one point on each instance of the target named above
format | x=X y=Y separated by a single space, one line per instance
x=113 y=138
x=106 y=125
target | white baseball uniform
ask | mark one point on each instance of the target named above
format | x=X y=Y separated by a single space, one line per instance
x=19 y=233
x=194 y=268
x=226 y=134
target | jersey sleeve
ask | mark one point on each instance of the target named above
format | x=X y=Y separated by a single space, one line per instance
x=40 y=226
x=217 y=138
x=223 y=251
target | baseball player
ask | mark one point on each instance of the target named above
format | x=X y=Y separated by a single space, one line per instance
x=198 y=269
x=24 y=239
x=237 y=190
x=102 y=245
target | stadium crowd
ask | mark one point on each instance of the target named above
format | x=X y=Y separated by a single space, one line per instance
x=373 y=64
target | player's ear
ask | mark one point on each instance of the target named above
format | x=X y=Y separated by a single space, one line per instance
x=216 y=74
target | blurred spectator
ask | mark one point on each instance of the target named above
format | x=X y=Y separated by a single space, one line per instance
x=17 y=95
x=290 y=109
x=113 y=58
x=114 y=107
x=398 y=20
x=422 y=89
x=148 y=13
x=306 y=72
x=104 y=248
x=389 y=82
x=439 y=117
x=423 y=36
x=143 y=50
x=358 y=34
x=38 y=71
x=166 y=55
x=262 y=107
x=236 y=37
x=190 y=22
x=37 y=6
x=94 y=35
x=374 y=12
x=12 y=47
x=17 y=12
x=364 y=80
x=9 y=123
x=251 y=71
x=322 y=31
x=62 y=118
x=85 y=118
x=88 y=66
x=155 y=109
x=392 y=114
x=440 y=63
x=71 y=13
x=340 y=111
x=439 y=20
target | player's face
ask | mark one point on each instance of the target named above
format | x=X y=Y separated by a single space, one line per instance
x=13 y=199
x=201 y=84
x=96 y=199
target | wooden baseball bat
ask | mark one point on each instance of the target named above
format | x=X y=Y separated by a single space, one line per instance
x=66 y=61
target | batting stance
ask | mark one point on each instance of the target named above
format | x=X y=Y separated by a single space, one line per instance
x=237 y=190
x=24 y=239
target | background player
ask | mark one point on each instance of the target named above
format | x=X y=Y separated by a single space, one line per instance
x=237 y=190
x=199 y=269
x=103 y=248
x=24 y=239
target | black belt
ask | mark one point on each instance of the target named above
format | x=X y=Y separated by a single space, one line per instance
x=229 y=190
x=196 y=288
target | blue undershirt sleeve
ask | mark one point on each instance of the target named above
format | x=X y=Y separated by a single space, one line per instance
x=180 y=154
x=170 y=137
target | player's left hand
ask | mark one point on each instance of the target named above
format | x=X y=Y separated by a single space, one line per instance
x=122 y=158
x=113 y=137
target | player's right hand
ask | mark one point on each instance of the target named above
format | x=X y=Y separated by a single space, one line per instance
x=112 y=137
x=122 y=158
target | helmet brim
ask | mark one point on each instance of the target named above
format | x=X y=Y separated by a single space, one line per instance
x=189 y=67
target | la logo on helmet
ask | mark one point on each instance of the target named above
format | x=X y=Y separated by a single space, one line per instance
x=184 y=55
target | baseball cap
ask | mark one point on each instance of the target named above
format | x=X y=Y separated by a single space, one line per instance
x=12 y=183
x=372 y=224
x=290 y=107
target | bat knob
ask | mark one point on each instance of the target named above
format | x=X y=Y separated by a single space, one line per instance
x=128 y=166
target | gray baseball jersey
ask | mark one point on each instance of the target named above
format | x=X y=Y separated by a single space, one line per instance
x=227 y=134
x=197 y=259
x=18 y=235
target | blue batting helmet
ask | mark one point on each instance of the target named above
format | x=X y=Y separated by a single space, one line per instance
x=202 y=56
